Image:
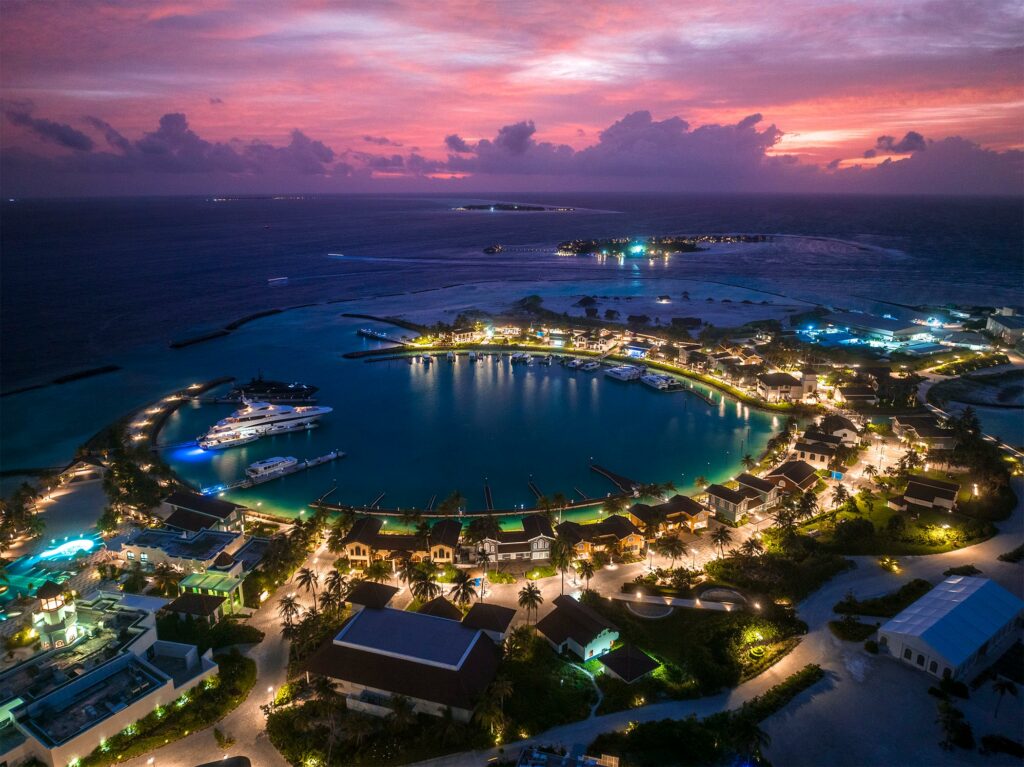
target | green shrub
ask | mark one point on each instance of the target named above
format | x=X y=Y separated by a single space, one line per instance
x=871 y=646
x=1014 y=555
x=850 y=629
x=962 y=570
x=885 y=606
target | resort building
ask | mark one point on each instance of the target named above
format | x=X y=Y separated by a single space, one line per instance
x=793 y=476
x=875 y=328
x=1006 y=325
x=779 y=387
x=207 y=608
x=637 y=349
x=193 y=512
x=842 y=427
x=440 y=607
x=680 y=511
x=184 y=551
x=925 y=493
x=367 y=594
x=56 y=621
x=533 y=542
x=763 y=487
x=612 y=535
x=732 y=505
x=576 y=627
x=955 y=630
x=924 y=431
x=817 y=454
x=88 y=468
x=366 y=542
x=493 y=620
x=856 y=394
x=435 y=663
x=61 y=704
x=628 y=663
x=217 y=584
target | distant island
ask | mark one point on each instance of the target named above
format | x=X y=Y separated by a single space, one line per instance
x=651 y=246
x=508 y=207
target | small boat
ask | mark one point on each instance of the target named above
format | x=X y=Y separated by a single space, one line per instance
x=573 y=363
x=518 y=357
x=472 y=356
x=528 y=359
x=625 y=372
x=277 y=281
x=547 y=359
x=450 y=356
x=590 y=367
x=225 y=440
x=657 y=381
x=492 y=249
x=271 y=466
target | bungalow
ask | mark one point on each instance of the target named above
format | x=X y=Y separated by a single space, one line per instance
x=732 y=505
x=493 y=620
x=205 y=608
x=842 y=427
x=637 y=349
x=814 y=437
x=924 y=430
x=193 y=512
x=614 y=534
x=85 y=469
x=815 y=453
x=856 y=394
x=438 y=665
x=576 y=627
x=778 y=387
x=466 y=335
x=533 y=542
x=368 y=594
x=678 y=511
x=365 y=543
x=697 y=360
x=793 y=475
x=927 y=493
x=628 y=663
x=1006 y=325
x=440 y=607
x=215 y=583
x=188 y=553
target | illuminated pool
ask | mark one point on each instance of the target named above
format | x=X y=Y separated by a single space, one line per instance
x=69 y=548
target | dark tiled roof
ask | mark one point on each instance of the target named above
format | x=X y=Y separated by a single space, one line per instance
x=629 y=663
x=757 y=483
x=615 y=526
x=49 y=590
x=458 y=688
x=923 y=489
x=857 y=391
x=488 y=617
x=182 y=519
x=364 y=530
x=815 y=448
x=817 y=436
x=440 y=607
x=204 y=504
x=370 y=594
x=795 y=471
x=726 y=493
x=536 y=525
x=224 y=561
x=571 y=620
x=674 y=507
x=203 y=605
x=446 y=533
x=833 y=423
x=776 y=380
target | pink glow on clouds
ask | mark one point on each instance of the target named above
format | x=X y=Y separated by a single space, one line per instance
x=831 y=75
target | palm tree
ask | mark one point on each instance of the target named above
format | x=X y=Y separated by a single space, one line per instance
x=562 y=554
x=808 y=504
x=451 y=504
x=423 y=587
x=701 y=482
x=519 y=641
x=530 y=598
x=483 y=558
x=748 y=462
x=614 y=504
x=359 y=727
x=558 y=503
x=335 y=583
x=402 y=714
x=585 y=568
x=870 y=470
x=840 y=495
x=422 y=535
x=500 y=690
x=165 y=579
x=288 y=609
x=1001 y=686
x=407 y=570
x=747 y=736
x=377 y=571
x=670 y=546
x=721 y=537
x=330 y=601
x=751 y=548
x=308 y=580
x=462 y=591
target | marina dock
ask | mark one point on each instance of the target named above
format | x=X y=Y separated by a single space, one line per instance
x=375 y=503
x=625 y=484
x=535 y=490
x=246 y=482
x=488 y=498
x=376 y=335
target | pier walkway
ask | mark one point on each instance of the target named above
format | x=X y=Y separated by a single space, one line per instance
x=488 y=498
x=309 y=463
x=625 y=484
x=376 y=335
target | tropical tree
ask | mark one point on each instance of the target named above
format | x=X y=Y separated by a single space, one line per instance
x=808 y=504
x=308 y=580
x=558 y=503
x=530 y=598
x=1001 y=687
x=670 y=546
x=870 y=471
x=614 y=504
x=721 y=537
x=701 y=482
x=288 y=608
x=407 y=570
x=748 y=462
x=335 y=583
x=562 y=554
x=748 y=738
x=165 y=578
x=483 y=558
x=840 y=495
x=752 y=547
x=585 y=568
x=340 y=529
x=330 y=601
x=423 y=587
x=462 y=591
x=377 y=571
x=422 y=535
x=500 y=690
x=402 y=714
x=451 y=504
x=359 y=727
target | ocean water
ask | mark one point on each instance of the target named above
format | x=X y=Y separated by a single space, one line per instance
x=91 y=282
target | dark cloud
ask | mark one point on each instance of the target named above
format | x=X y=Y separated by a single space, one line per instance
x=912 y=142
x=380 y=141
x=455 y=143
x=834 y=164
x=216 y=100
x=48 y=130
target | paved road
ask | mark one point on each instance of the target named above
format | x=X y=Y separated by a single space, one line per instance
x=820 y=646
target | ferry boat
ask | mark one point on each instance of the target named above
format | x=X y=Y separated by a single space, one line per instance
x=226 y=440
x=590 y=367
x=625 y=372
x=259 y=418
x=658 y=381
x=271 y=466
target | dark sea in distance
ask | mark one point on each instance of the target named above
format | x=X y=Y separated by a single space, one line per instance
x=83 y=281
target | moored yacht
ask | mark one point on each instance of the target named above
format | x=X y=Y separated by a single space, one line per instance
x=658 y=381
x=226 y=440
x=625 y=372
x=271 y=466
x=259 y=418
x=590 y=366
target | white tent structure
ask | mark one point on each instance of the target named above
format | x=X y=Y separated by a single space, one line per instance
x=957 y=628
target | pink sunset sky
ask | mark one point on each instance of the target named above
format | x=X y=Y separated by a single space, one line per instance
x=901 y=97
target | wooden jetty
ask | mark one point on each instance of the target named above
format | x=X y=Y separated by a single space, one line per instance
x=246 y=482
x=376 y=335
x=625 y=484
x=488 y=498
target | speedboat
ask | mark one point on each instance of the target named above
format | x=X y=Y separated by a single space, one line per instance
x=590 y=367
x=450 y=356
x=657 y=381
x=271 y=466
x=573 y=363
x=546 y=359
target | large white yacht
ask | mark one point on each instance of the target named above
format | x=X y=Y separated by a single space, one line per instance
x=271 y=466
x=257 y=419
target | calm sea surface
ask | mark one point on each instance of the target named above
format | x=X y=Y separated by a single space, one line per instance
x=91 y=282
